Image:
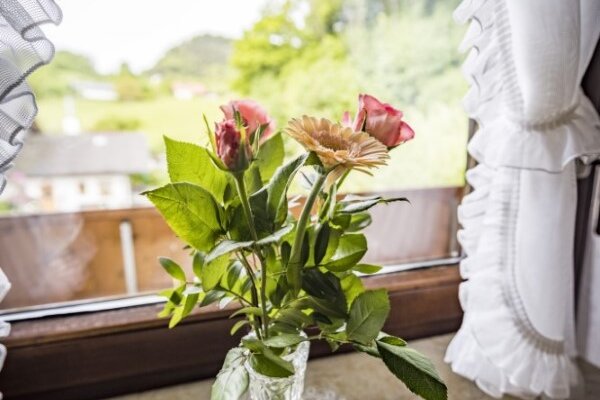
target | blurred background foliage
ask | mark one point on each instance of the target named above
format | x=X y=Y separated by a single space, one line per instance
x=302 y=57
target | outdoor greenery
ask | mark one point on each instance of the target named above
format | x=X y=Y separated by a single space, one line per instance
x=229 y=203
x=302 y=56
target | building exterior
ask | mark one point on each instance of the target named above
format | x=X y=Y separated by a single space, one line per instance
x=187 y=90
x=87 y=171
x=99 y=91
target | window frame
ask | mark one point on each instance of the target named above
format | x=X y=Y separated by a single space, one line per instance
x=89 y=356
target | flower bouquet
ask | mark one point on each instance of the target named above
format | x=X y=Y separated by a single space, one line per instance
x=293 y=275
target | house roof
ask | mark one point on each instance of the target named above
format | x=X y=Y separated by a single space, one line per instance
x=87 y=85
x=84 y=154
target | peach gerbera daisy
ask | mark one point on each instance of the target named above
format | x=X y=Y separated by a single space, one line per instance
x=339 y=148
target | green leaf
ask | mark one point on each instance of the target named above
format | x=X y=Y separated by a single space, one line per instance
x=322 y=242
x=284 y=340
x=354 y=204
x=367 y=315
x=393 y=340
x=414 y=369
x=275 y=237
x=332 y=244
x=233 y=281
x=277 y=189
x=176 y=317
x=197 y=264
x=184 y=310
x=324 y=285
x=294 y=318
x=271 y=365
x=370 y=349
x=232 y=380
x=226 y=247
x=253 y=344
x=334 y=308
x=172 y=268
x=367 y=268
x=247 y=311
x=175 y=295
x=212 y=297
x=188 y=162
x=190 y=302
x=265 y=361
x=270 y=156
x=166 y=311
x=352 y=286
x=305 y=251
x=190 y=211
x=238 y=325
x=286 y=249
x=213 y=271
x=252 y=179
x=359 y=221
x=350 y=250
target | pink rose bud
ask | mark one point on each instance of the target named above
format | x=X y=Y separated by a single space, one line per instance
x=253 y=116
x=230 y=149
x=380 y=120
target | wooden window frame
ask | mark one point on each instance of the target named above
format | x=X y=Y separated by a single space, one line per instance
x=92 y=356
x=107 y=353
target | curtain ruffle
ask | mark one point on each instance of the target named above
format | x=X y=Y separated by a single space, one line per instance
x=548 y=144
x=23 y=49
x=497 y=347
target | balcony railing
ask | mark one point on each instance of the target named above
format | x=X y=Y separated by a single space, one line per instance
x=54 y=258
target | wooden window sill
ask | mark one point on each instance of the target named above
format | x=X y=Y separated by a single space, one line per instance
x=107 y=353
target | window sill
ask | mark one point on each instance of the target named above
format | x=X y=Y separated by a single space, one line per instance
x=91 y=356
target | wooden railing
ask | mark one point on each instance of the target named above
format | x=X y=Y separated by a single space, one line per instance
x=62 y=257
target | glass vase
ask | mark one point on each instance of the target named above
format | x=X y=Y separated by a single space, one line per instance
x=263 y=387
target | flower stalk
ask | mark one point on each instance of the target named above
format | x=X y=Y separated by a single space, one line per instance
x=241 y=189
x=294 y=268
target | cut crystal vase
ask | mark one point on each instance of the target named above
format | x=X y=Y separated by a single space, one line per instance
x=263 y=387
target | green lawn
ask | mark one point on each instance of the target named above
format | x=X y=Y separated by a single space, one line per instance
x=436 y=157
x=163 y=116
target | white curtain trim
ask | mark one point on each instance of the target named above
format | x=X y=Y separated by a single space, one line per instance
x=23 y=49
x=498 y=347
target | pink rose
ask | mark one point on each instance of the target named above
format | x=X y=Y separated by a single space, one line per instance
x=229 y=147
x=253 y=114
x=380 y=120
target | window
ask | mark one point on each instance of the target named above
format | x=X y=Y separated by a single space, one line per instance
x=103 y=109
x=119 y=81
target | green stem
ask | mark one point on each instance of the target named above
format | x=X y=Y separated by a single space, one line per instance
x=342 y=179
x=241 y=189
x=253 y=291
x=294 y=267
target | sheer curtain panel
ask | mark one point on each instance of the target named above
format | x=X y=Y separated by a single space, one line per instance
x=23 y=48
x=525 y=64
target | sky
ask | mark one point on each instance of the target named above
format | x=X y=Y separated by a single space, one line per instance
x=138 y=32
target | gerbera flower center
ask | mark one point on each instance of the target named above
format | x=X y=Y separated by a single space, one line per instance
x=333 y=142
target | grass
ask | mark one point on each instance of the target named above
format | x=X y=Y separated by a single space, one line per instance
x=436 y=157
x=178 y=119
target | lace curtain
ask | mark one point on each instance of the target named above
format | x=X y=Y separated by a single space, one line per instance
x=525 y=64
x=23 y=48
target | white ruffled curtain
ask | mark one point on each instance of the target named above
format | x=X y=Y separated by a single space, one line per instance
x=525 y=66
x=23 y=48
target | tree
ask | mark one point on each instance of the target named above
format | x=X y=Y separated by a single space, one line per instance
x=131 y=87
x=195 y=58
x=54 y=79
x=265 y=49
